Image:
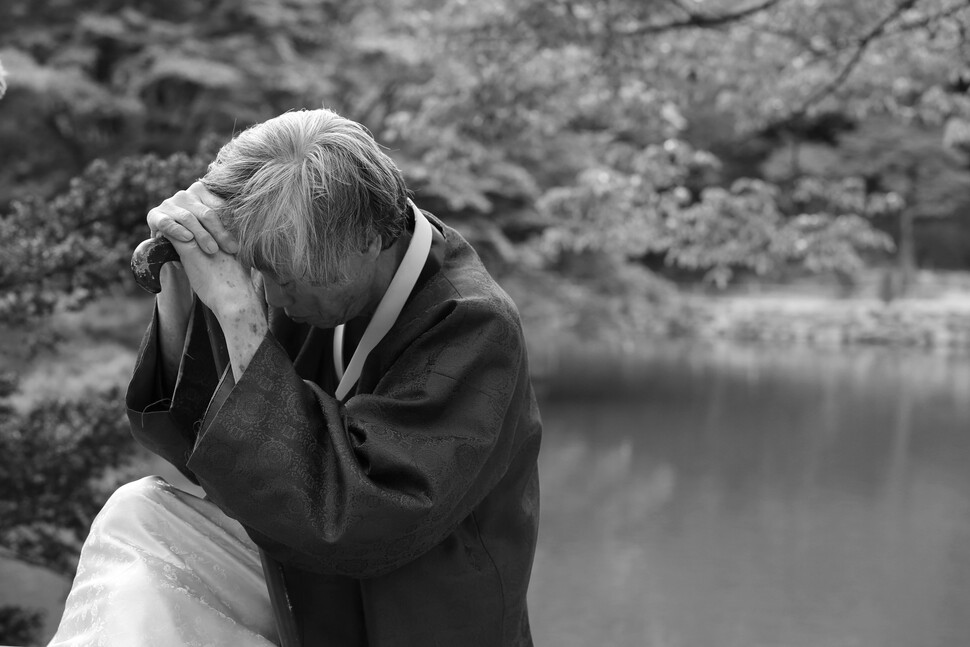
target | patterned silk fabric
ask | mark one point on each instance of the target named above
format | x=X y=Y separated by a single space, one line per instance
x=163 y=567
x=406 y=515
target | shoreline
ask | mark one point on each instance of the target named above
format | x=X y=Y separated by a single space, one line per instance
x=939 y=324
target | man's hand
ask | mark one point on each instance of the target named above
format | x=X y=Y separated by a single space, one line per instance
x=192 y=215
x=189 y=216
x=218 y=279
x=227 y=288
x=182 y=217
x=209 y=268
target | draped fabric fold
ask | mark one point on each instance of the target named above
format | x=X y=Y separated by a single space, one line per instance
x=164 y=567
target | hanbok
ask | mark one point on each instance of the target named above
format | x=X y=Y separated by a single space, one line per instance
x=164 y=567
x=402 y=502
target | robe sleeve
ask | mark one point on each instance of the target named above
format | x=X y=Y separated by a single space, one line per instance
x=167 y=423
x=364 y=487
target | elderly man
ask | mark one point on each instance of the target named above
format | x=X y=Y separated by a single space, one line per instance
x=375 y=431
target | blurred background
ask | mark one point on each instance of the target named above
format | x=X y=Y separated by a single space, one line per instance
x=737 y=232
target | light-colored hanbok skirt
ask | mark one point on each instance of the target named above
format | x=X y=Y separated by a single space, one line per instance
x=164 y=567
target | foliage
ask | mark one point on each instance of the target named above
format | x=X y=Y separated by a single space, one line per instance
x=567 y=90
x=19 y=626
x=656 y=201
x=911 y=163
x=486 y=105
x=58 y=469
x=66 y=250
x=800 y=60
x=61 y=462
x=114 y=78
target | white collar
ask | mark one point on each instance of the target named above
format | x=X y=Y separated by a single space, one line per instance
x=404 y=280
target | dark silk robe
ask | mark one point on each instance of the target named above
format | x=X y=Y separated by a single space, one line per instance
x=406 y=515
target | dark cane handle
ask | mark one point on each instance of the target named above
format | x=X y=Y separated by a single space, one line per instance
x=147 y=261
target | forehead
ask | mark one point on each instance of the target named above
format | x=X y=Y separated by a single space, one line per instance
x=354 y=268
x=285 y=269
x=353 y=265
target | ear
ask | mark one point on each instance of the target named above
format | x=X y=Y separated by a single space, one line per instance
x=374 y=247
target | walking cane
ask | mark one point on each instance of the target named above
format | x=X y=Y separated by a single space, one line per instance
x=146 y=265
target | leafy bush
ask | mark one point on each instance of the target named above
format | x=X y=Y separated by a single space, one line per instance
x=20 y=626
x=65 y=251
x=60 y=465
x=664 y=200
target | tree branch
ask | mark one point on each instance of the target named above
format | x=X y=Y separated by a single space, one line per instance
x=695 y=20
x=799 y=39
x=860 y=49
x=793 y=36
x=927 y=20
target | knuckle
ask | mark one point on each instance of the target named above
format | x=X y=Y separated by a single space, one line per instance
x=175 y=215
x=167 y=205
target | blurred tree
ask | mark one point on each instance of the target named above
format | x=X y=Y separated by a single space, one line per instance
x=20 y=626
x=108 y=78
x=64 y=251
x=696 y=226
x=907 y=172
x=61 y=462
x=63 y=458
x=912 y=164
x=623 y=75
x=487 y=105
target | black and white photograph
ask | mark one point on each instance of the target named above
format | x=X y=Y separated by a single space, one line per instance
x=495 y=323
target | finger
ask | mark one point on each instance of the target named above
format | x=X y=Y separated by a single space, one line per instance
x=185 y=247
x=190 y=221
x=213 y=223
x=173 y=231
x=209 y=207
x=204 y=206
x=191 y=256
x=205 y=196
x=161 y=223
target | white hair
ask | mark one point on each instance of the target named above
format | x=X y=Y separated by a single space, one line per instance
x=304 y=190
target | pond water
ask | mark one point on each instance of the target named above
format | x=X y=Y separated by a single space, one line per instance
x=734 y=497
x=729 y=497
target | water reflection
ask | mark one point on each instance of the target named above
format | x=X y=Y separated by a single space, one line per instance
x=736 y=498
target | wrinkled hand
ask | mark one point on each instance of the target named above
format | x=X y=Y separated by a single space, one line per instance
x=207 y=267
x=218 y=279
x=192 y=215
x=228 y=289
